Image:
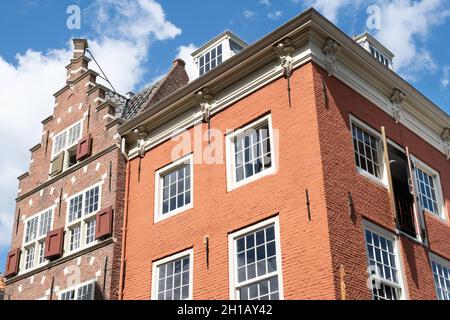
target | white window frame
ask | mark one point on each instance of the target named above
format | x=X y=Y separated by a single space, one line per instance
x=36 y=242
x=83 y=221
x=383 y=179
x=177 y=256
x=437 y=185
x=439 y=260
x=158 y=215
x=232 y=267
x=398 y=259
x=215 y=49
x=230 y=156
x=76 y=287
x=67 y=147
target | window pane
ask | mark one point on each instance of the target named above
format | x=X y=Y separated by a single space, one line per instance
x=176 y=189
x=45 y=223
x=441 y=280
x=74 y=134
x=31 y=229
x=91 y=200
x=252 y=152
x=382 y=258
x=366 y=153
x=261 y=290
x=90 y=231
x=75 y=234
x=427 y=191
x=173 y=280
x=75 y=206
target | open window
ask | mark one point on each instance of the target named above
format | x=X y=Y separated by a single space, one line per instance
x=403 y=192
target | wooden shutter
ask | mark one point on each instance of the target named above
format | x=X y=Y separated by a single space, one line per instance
x=12 y=263
x=57 y=164
x=103 y=224
x=84 y=147
x=54 y=244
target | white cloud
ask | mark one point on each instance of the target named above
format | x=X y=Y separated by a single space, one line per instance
x=329 y=8
x=445 y=80
x=275 y=15
x=248 y=14
x=266 y=3
x=184 y=52
x=405 y=25
x=123 y=34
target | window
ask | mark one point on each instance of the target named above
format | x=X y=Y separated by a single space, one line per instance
x=380 y=57
x=36 y=229
x=83 y=291
x=383 y=266
x=428 y=188
x=255 y=257
x=66 y=141
x=174 y=188
x=441 y=272
x=210 y=60
x=250 y=153
x=366 y=146
x=172 y=277
x=81 y=221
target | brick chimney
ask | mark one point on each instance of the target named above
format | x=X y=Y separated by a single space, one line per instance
x=79 y=63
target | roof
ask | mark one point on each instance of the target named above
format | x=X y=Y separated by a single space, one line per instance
x=224 y=34
x=138 y=101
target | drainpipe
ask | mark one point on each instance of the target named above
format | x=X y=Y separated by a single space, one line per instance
x=124 y=231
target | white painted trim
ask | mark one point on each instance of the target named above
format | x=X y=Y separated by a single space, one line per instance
x=438 y=188
x=81 y=221
x=156 y=264
x=76 y=287
x=382 y=181
x=66 y=130
x=158 y=216
x=367 y=225
x=232 y=253
x=35 y=242
x=230 y=159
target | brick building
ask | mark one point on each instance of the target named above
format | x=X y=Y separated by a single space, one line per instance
x=66 y=241
x=340 y=190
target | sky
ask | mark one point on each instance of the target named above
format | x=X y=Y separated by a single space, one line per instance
x=135 y=42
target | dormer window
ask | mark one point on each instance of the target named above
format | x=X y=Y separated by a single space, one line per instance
x=210 y=60
x=376 y=49
x=217 y=51
x=379 y=56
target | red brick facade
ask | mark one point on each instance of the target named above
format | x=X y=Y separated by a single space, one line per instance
x=315 y=153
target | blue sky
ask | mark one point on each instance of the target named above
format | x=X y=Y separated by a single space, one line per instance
x=135 y=41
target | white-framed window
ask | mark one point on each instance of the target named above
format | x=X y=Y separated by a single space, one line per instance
x=380 y=57
x=250 y=153
x=66 y=141
x=428 y=186
x=368 y=151
x=83 y=291
x=36 y=229
x=383 y=263
x=174 y=188
x=210 y=60
x=441 y=274
x=255 y=262
x=172 y=277
x=80 y=222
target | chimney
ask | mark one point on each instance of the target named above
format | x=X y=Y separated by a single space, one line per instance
x=80 y=46
x=79 y=63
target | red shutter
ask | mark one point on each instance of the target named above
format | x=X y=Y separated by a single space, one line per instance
x=12 y=263
x=54 y=244
x=84 y=147
x=103 y=224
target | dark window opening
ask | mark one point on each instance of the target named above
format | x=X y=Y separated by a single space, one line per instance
x=72 y=157
x=404 y=199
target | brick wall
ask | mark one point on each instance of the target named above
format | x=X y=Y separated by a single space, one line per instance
x=305 y=248
x=371 y=200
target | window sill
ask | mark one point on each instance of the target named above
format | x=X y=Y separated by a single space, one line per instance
x=372 y=178
x=161 y=217
x=236 y=185
x=439 y=218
